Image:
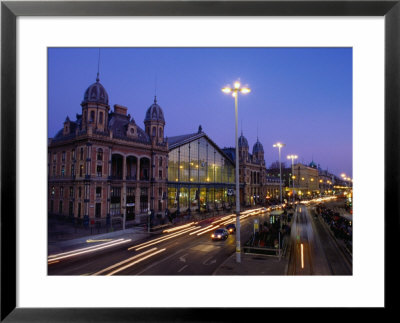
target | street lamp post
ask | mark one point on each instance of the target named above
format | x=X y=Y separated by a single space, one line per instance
x=279 y=145
x=235 y=91
x=292 y=157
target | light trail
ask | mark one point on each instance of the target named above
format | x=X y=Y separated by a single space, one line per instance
x=302 y=256
x=148 y=244
x=135 y=262
x=214 y=227
x=222 y=219
x=91 y=250
x=200 y=230
x=178 y=228
x=123 y=262
x=53 y=262
x=87 y=248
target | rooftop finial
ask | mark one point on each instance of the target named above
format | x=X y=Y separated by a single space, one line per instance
x=257 y=131
x=98 y=68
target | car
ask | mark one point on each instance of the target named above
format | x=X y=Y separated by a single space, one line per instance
x=231 y=227
x=220 y=234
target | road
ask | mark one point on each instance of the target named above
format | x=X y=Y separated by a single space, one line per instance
x=314 y=251
x=188 y=250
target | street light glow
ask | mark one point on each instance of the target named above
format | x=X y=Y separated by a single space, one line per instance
x=226 y=90
x=236 y=85
x=279 y=145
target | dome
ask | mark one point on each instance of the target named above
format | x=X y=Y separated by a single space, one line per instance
x=96 y=93
x=313 y=165
x=154 y=113
x=243 y=142
x=258 y=147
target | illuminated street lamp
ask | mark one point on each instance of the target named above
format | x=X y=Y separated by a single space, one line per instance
x=279 y=145
x=292 y=157
x=235 y=90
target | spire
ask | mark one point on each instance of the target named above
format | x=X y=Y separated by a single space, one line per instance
x=257 y=130
x=155 y=85
x=98 y=68
x=155 y=99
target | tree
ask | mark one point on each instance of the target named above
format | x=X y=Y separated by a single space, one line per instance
x=275 y=165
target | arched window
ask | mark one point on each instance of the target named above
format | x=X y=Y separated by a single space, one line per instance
x=91 y=116
x=159 y=132
x=154 y=132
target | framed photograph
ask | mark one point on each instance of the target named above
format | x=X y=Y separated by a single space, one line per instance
x=110 y=218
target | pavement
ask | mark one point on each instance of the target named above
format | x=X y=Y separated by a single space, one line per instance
x=252 y=264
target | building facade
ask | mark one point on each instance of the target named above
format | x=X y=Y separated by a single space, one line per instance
x=252 y=172
x=200 y=176
x=306 y=180
x=104 y=165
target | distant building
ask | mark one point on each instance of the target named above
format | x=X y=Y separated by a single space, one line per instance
x=252 y=172
x=201 y=177
x=306 y=181
x=103 y=165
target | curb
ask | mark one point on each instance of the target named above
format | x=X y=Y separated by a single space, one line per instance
x=223 y=263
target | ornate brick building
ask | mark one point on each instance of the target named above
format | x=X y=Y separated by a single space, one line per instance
x=252 y=172
x=104 y=165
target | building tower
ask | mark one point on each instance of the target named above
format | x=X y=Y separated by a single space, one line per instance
x=95 y=107
x=243 y=148
x=258 y=151
x=154 y=122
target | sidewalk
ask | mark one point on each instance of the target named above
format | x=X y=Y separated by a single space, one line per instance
x=252 y=264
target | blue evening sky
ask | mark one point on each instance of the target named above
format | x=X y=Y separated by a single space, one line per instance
x=300 y=96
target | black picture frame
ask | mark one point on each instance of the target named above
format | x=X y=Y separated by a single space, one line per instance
x=10 y=10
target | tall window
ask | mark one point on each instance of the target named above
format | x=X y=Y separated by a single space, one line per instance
x=80 y=191
x=81 y=171
x=115 y=206
x=71 y=192
x=101 y=117
x=91 y=116
x=71 y=208
x=98 y=210
x=99 y=171
x=61 y=192
x=72 y=170
x=81 y=156
x=160 y=162
x=62 y=170
x=98 y=191
x=63 y=156
x=73 y=154
x=100 y=154
x=160 y=174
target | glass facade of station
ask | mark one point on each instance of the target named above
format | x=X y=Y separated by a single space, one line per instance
x=199 y=177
